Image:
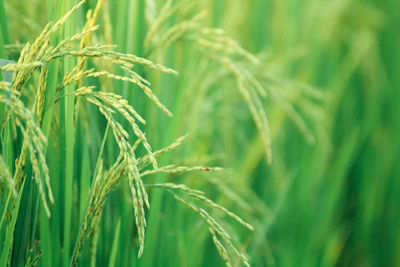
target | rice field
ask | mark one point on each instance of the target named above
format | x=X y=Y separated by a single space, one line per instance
x=199 y=133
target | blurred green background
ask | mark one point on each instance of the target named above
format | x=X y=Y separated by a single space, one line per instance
x=331 y=194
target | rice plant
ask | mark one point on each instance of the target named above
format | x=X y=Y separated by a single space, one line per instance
x=199 y=133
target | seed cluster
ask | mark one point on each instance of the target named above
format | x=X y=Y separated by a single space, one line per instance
x=34 y=62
